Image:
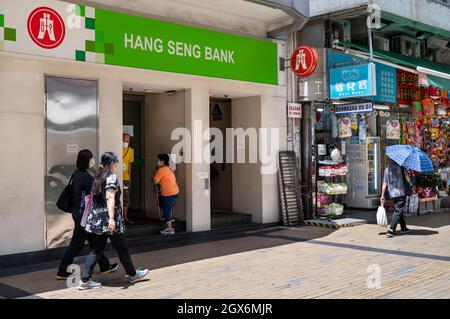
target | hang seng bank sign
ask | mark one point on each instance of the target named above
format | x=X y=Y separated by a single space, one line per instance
x=86 y=34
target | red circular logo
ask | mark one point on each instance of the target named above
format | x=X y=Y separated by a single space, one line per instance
x=304 y=60
x=46 y=27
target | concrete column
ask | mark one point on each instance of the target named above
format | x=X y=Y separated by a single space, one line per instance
x=22 y=209
x=274 y=122
x=110 y=119
x=198 y=208
x=247 y=178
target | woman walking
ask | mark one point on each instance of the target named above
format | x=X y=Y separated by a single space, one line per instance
x=165 y=177
x=106 y=221
x=81 y=186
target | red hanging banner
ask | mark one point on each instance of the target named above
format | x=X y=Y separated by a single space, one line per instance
x=408 y=87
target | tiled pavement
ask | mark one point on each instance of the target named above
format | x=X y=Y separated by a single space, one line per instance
x=305 y=262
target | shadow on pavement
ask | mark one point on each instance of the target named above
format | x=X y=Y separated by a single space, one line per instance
x=416 y=232
x=35 y=279
x=434 y=220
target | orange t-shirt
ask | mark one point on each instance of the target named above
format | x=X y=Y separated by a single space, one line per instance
x=166 y=179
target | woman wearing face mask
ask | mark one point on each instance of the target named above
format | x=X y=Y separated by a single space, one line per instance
x=81 y=186
x=107 y=223
x=165 y=177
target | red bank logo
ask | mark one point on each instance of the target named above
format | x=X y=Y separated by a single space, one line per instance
x=46 y=27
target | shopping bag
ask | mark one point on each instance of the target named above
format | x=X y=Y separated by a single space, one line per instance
x=88 y=203
x=381 y=216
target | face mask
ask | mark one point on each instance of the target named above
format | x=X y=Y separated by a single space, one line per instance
x=125 y=144
x=158 y=163
x=92 y=164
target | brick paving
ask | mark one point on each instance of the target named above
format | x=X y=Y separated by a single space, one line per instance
x=304 y=262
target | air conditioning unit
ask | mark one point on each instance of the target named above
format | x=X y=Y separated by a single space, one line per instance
x=380 y=43
x=342 y=30
x=405 y=45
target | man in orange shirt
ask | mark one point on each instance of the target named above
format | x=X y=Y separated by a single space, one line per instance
x=165 y=177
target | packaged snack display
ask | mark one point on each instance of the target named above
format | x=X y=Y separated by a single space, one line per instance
x=345 y=129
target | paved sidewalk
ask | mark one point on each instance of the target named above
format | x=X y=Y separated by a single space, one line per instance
x=304 y=262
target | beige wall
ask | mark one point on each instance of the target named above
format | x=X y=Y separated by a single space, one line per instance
x=254 y=191
x=273 y=115
x=198 y=212
x=247 y=191
x=163 y=113
x=22 y=222
x=22 y=125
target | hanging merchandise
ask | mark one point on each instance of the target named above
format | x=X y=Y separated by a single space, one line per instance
x=334 y=126
x=417 y=109
x=354 y=120
x=345 y=129
x=393 y=130
x=362 y=129
x=428 y=107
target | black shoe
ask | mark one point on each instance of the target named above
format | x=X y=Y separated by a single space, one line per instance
x=405 y=230
x=112 y=268
x=390 y=233
x=63 y=276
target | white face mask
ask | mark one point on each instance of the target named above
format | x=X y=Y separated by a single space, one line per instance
x=125 y=144
x=158 y=163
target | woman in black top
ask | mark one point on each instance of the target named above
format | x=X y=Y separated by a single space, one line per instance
x=81 y=186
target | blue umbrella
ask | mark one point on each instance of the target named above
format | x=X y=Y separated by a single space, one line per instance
x=410 y=157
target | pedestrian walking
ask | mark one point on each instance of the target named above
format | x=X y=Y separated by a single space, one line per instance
x=397 y=182
x=106 y=221
x=81 y=186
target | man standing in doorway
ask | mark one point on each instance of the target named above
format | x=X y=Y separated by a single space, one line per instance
x=128 y=158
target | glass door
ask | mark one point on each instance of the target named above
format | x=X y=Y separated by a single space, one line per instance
x=373 y=166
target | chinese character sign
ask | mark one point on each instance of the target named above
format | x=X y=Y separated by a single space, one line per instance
x=386 y=84
x=408 y=86
x=353 y=81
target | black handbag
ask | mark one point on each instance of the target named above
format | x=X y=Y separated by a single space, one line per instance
x=64 y=202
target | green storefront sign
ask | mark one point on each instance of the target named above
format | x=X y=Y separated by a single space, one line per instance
x=64 y=30
x=164 y=46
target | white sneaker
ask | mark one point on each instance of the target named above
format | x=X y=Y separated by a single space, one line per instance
x=168 y=231
x=89 y=285
x=141 y=274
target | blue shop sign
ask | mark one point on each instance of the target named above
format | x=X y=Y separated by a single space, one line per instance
x=353 y=81
x=386 y=76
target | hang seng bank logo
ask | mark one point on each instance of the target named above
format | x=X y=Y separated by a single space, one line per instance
x=46 y=27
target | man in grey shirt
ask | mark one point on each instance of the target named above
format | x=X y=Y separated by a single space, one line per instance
x=396 y=182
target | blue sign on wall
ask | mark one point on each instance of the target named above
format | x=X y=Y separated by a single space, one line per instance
x=386 y=76
x=353 y=81
x=386 y=84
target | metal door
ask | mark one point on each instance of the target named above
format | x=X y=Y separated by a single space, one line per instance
x=71 y=121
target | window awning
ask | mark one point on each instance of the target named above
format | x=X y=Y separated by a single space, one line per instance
x=410 y=62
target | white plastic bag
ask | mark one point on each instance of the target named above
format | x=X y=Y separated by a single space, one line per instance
x=382 y=217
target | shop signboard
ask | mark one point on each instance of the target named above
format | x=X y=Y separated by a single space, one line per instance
x=386 y=76
x=295 y=110
x=82 y=33
x=353 y=108
x=353 y=81
x=304 y=60
x=408 y=85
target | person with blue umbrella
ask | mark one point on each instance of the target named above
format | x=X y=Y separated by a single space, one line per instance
x=398 y=182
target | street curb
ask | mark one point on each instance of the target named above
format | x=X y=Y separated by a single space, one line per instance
x=327 y=224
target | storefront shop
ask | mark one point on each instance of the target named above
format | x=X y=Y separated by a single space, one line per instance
x=75 y=77
x=370 y=107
